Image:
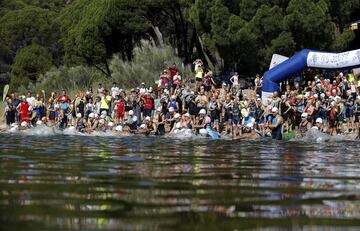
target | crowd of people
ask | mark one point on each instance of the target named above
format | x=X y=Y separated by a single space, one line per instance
x=329 y=103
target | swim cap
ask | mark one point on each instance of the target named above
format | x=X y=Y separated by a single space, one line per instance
x=171 y=109
x=103 y=116
x=202 y=112
x=177 y=116
x=131 y=112
x=91 y=115
x=319 y=120
x=101 y=121
x=147 y=118
x=275 y=109
x=118 y=128
x=304 y=115
x=39 y=122
x=23 y=124
x=110 y=124
x=78 y=115
x=103 y=113
x=187 y=115
x=143 y=126
x=246 y=114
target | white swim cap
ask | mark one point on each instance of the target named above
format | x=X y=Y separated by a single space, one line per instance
x=103 y=113
x=322 y=95
x=203 y=131
x=178 y=125
x=131 y=112
x=39 y=122
x=147 y=118
x=118 y=128
x=315 y=96
x=173 y=97
x=78 y=115
x=103 y=116
x=304 y=115
x=91 y=115
x=319 y=120
x=275 y=109
x=246 y=114
x=202 y=112
x=142 y=126
x=171 y=109
x=23 y=124
x=177 y=116
x=111 y=124
x=187 y=115
x=101 y=121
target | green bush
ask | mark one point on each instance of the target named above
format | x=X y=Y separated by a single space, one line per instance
x=147 y=64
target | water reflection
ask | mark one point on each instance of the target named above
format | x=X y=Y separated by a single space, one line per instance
x=162 y=184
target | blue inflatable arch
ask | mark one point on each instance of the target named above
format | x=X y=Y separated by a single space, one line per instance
x=307 y=59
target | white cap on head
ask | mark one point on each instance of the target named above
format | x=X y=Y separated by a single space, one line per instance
x=322 y=95
x=103 y=116
x=316 y=96
x=103 y=113
x=319 y=120
x=177 y=116
x=78 y=115
x=111 y=124
x=171 y=109
x=274 y=109
x=91 y=115
x=304 y=115
x=118 y=128
x=63 y=98
x=187 y=115
x=246 y=114
x=39 y=122
x=23 y=124
x=143 y=126
x=341 y=74
x=131 y=112
x=102 y=121
x=147 y=118
x=202 y=112
x=173 y=97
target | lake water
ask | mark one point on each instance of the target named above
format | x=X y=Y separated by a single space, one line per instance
x=146 y=183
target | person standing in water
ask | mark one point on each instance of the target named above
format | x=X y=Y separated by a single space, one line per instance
x=276 y=124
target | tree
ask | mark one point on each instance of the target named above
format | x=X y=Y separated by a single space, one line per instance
x=30 y=62
x=94 y=31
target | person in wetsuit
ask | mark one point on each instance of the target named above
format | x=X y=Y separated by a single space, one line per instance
x=276 y=124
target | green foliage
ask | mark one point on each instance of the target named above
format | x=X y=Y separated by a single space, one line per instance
x=234 y=34
x=71 y=79
x=146 y=66
x=26 y=26
x=93 y=31
x=30 y=62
